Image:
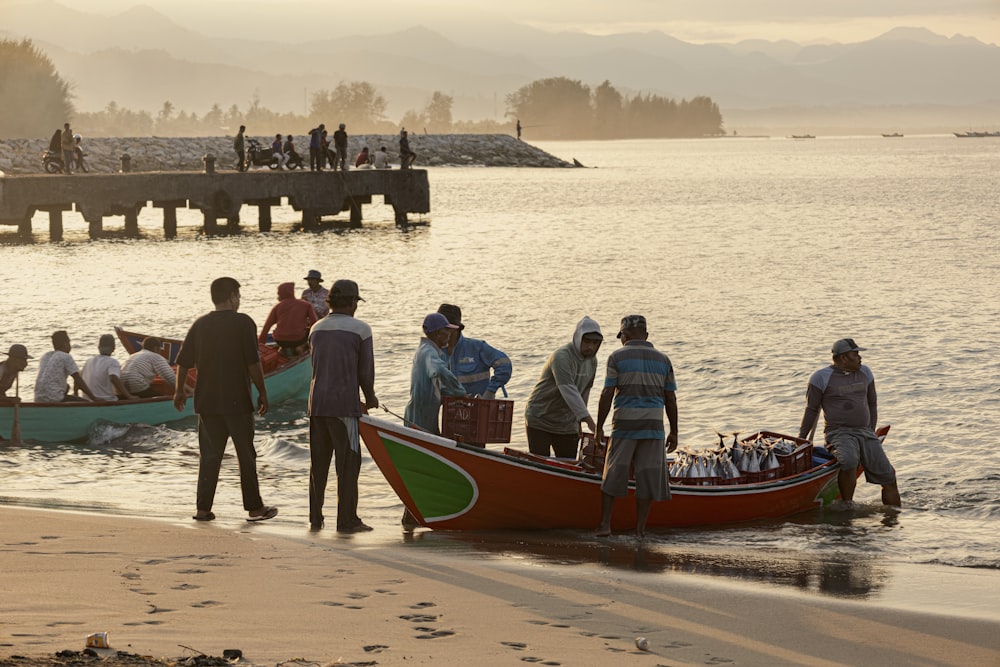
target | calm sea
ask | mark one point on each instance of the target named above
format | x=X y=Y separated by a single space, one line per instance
x=749 y=257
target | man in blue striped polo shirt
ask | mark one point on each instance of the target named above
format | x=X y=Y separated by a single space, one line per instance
x=640 y=383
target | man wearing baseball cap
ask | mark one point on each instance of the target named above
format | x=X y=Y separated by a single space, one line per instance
x=472 y=360
x=845 y=391
x=430 y=379
x=640 y=384
x=17 y=361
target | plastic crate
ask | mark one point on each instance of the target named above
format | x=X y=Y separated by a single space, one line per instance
x=476 y=421
x=798 y=461
x=762 y=476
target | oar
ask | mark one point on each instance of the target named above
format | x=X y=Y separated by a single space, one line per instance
x=15 y=430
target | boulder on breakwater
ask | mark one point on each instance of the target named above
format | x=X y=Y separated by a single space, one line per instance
x=103 y=155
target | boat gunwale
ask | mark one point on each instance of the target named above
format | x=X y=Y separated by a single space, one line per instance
x=423 y=438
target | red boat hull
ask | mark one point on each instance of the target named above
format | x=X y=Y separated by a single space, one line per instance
x=453 y=486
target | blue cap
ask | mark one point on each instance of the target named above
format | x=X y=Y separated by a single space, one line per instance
x=435 y=322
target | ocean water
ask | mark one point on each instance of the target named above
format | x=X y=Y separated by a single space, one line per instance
x=749 y=257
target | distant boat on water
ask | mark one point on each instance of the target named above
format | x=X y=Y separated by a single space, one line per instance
x=891 y=136
x=976 y=135
x=803 y=136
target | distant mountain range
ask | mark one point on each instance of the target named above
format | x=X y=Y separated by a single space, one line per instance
x=140 y=58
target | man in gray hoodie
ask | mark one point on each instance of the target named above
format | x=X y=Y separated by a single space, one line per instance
x=558 y=403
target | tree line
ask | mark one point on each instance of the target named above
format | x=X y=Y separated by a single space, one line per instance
x=553 y=108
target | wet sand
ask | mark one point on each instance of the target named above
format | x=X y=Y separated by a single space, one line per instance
x=172 y=590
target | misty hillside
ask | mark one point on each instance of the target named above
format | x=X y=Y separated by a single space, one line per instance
x=140 y=58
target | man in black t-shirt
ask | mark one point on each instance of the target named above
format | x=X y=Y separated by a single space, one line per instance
x=222 y=346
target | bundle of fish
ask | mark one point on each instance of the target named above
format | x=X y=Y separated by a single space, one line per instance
x=754 y=455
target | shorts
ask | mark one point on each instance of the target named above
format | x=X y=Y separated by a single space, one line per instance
x=860 y=446
x=648 y=459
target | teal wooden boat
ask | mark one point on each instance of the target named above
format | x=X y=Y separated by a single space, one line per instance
x=63 y=422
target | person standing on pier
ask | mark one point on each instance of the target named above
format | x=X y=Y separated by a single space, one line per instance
x=68 y=145
x=222 y=345
x=518 y=129
x=340 y=144
x=316 y=148
x=406 y=156
x=239 y=145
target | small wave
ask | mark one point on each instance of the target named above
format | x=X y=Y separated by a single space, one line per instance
x=279 y=449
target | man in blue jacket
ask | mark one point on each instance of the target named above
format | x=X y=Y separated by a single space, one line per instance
x=472 y=360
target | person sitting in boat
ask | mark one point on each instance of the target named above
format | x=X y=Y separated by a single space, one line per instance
x=845 y=391
x=316 y=294
x=54 y=368
x=471 y=359
x=558 y=403
x=380 y=158
x=103 y=373
x=640 y=384
x=291 y=319
x=145 y=366
x=17 y=361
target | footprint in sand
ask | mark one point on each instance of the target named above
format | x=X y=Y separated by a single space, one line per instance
x=536 y=622
x=614 y=649
x=192 y=571
x=422 y=605
x=357 y=596
x=185 y=587
x=719 y=661
x=375 y=648
x=205 y=603
x=517 y=646
x=540 y=661
x=436 y=634
x=419 y=618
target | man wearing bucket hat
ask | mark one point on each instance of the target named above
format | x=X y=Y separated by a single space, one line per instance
x=316 y=294
x=640 y=383
x=17 y=361
x=845 y=391
x=471 y=359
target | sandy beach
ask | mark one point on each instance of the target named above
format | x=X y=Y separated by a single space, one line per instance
x=171 y=590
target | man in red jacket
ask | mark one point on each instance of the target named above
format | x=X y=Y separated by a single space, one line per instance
x=291 y=319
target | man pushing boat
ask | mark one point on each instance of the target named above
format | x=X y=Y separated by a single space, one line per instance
x=846 y=392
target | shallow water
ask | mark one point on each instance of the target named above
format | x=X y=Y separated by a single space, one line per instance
x=748 y=257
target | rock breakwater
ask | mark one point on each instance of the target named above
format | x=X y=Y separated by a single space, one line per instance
x=24 y=156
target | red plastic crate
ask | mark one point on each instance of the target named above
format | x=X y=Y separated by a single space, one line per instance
x=798 y=461
x=476 y=421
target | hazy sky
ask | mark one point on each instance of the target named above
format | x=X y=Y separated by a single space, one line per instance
x=689 y=20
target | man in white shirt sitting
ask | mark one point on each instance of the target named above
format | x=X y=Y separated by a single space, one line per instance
x=102 y=373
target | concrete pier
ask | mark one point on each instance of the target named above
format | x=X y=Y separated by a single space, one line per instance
x=217 y=195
